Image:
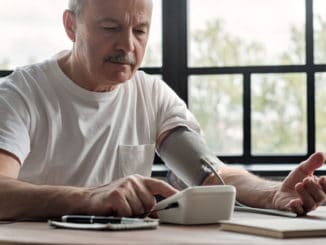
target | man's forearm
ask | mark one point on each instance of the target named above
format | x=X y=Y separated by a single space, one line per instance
x=251 y=190
x=21 y=200
x=128 y=196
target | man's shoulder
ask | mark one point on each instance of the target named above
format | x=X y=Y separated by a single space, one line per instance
x=28 y=70
x=25 y=79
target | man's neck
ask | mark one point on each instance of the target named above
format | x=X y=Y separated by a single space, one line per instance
x=68 y=66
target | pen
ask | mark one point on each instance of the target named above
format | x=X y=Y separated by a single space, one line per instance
x=91 y=219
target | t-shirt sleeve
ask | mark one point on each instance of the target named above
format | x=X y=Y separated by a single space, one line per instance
x=14 y=120
x=172 y=111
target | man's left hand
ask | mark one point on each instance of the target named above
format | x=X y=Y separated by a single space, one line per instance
x=302 y=191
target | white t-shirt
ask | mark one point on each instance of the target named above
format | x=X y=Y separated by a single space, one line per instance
x=66 y=135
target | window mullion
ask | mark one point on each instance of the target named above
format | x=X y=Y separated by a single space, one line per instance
x=175 y=46
x=311 y=137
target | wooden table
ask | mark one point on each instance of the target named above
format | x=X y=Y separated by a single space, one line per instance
x=41 y=233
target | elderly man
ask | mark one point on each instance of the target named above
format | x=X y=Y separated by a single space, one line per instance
x=78 y=132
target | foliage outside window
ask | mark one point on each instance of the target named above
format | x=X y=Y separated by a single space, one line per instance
x=278 y=108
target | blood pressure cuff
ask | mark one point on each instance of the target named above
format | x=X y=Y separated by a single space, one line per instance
x=182 y=151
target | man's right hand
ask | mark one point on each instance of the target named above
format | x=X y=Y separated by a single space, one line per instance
x=129 y=196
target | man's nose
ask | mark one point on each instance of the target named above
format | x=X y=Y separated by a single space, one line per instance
x=126 y=41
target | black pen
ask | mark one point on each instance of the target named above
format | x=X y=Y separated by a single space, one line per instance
x=92 y=219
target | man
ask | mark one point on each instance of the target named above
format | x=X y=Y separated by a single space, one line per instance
x=78 y=132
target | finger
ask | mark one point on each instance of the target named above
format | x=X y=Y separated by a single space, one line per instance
x=315 y=161
x=159 y=187
x=124 y=211
x=153 y=214
x=314 y=190
x=305 y=169
x=295 y=206
x=145 y=199
x=322 y=183
x=148 y=201
x=135 y=203
x=120 y=204
x=308 y=202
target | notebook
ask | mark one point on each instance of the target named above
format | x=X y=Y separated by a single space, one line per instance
x=279 y=228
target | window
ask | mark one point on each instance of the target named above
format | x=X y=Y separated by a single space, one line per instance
x=216 y=100
x=253 y=75
x=278 y=113
x=253 y=72
x=319 y=31
x=34 y=32
x=243 y=33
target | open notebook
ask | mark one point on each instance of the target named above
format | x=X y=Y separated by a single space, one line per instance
x=279 y=228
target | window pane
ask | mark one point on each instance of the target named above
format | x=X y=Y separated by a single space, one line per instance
x=279 y=114
x=153 y=55
x=33 y=31
x=251 y=32
x=320 y=31
x=216 y=102
x=320 y=112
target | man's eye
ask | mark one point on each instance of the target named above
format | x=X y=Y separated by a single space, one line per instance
x=110 y=28
x=139 y=31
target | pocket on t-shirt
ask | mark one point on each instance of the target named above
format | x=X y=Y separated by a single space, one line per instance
x=136 y=159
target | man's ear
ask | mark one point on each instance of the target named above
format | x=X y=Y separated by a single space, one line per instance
x=69 y=22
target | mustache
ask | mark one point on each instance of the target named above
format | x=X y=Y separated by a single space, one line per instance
x=128 y=59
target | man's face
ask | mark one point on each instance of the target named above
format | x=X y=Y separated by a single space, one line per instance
x=110 y=39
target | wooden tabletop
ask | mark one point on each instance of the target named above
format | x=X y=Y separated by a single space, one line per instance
x=41 y=233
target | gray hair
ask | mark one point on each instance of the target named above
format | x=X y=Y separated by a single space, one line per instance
x=76 y=6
